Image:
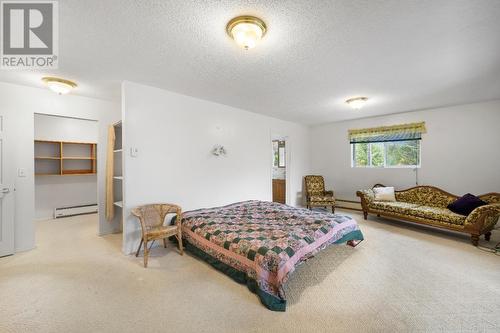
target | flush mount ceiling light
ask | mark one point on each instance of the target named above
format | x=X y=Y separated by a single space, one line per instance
x=357 y=102
x=58 y=85
x=246 y=30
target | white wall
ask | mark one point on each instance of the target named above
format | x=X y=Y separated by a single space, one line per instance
x=18 y=105
x=57 y=128
x=174 y=135
x=460 y=152
x=53 y=191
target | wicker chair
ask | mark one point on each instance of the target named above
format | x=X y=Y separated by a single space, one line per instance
x=152 y=218
x=316 y=195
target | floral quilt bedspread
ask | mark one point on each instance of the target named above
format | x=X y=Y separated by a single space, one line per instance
x=260 y=243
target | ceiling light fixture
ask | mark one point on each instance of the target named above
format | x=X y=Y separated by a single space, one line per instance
x=58 y=85
x=357 y=102
x=246 y=30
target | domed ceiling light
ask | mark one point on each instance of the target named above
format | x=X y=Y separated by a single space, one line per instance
x=357 y=102
x=58 y=85
x=247 y=31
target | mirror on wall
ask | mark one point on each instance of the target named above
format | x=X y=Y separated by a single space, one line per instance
x=279 y=160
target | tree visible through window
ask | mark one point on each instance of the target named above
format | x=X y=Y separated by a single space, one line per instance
x=361 y=154
x=390 y=154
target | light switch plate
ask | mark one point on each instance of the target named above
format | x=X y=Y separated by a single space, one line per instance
x=21 y=172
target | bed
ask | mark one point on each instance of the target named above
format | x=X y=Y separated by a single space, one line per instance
x=260 y=243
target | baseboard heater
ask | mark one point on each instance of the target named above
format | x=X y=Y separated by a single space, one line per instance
x=348 y=204
x=74 y=210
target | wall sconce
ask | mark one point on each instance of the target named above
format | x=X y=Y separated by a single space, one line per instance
x=219 y=150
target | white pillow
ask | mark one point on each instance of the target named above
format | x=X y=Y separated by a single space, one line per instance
x=384 y=194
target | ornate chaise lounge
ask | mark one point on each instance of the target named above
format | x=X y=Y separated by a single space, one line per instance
x=428 y=205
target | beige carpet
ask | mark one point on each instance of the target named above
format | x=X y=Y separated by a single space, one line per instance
x=402 y=278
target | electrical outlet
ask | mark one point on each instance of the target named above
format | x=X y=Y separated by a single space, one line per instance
x=134 y=152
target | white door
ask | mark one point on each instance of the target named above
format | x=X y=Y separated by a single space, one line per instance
x=6 y=199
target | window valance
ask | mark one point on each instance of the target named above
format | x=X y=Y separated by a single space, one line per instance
x=403 y=132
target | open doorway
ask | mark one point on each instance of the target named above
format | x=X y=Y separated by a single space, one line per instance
x=279 y=170
x=65 y=160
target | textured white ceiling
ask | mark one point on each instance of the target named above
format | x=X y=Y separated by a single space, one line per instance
x=404 y=55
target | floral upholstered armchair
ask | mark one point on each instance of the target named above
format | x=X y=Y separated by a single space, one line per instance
x=316 y=195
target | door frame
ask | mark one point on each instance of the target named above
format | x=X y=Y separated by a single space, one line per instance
x=273 y=137
x=96 y=152
x=7 y=232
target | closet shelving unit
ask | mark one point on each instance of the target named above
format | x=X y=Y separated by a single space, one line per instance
x=64 y=158
x=117 y=172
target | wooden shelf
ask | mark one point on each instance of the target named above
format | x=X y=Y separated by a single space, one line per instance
x=76 y=143
x=78 y=158
x=118 y=177
x=77 y=172
x=118 y=150
x=119 y=204
x=73 y=158
x=66 y=174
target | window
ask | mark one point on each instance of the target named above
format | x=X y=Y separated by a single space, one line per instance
x=395 y=146
x=391 y=154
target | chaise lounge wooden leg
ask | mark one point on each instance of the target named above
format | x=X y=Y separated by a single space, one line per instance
x=164 y=242
x=487 y=236
x=365 y=215
x=474 y=239
x=333 y=209
x=139 y=249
